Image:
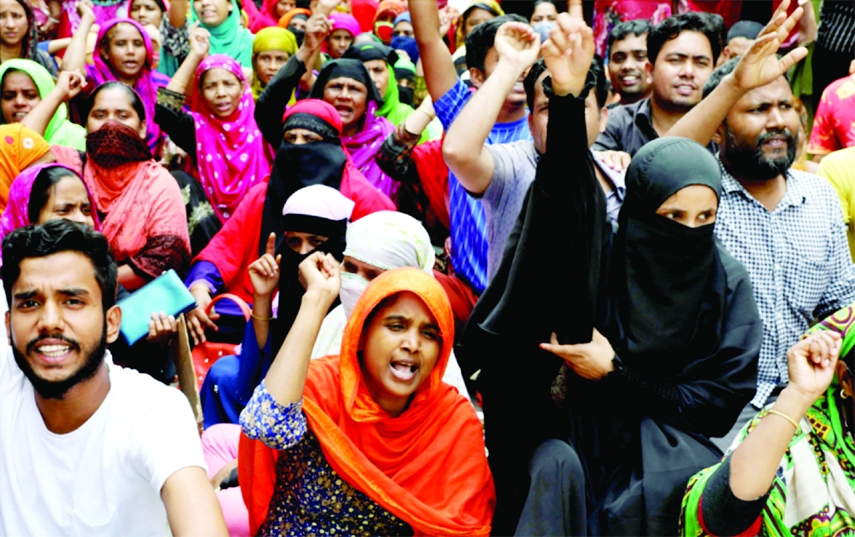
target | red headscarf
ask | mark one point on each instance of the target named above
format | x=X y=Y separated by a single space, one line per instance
x=426 y=466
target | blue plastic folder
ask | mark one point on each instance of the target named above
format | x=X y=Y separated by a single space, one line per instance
x=165 y=293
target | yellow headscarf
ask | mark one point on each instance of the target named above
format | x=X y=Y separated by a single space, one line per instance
x=19 y=148
x=272 y=38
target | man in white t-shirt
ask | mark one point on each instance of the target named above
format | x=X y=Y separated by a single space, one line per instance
x=86 y=447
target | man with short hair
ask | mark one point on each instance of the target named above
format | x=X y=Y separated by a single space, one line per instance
x=500 y=174
x=450 y=95
x=629 y=66
x=682 y=51
x=87 y=447
x=740 y=37
x=785 y=226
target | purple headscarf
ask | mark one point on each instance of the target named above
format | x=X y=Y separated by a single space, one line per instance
x=364 y=145
x=17 y=213
x=145 y=86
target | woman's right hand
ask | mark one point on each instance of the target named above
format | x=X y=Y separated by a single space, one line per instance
x=318 y=27
x=320 y=274
x=811 y=364
x=85 y=10
x=200 y=41
x=197 y=319
x=69 y=84
x=264 y=271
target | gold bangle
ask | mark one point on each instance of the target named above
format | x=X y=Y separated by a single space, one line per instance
x=781 y=414
x=265 y=319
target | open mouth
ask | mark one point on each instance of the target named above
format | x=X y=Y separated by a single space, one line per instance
x=685 y=89
x=18 y=116
x=53 y=353
x=403 y=371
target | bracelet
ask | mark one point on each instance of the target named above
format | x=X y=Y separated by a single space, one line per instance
x=53 y=20
x=265 y=319
x=781 y=414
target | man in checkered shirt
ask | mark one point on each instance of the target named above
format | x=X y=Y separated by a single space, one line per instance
x=784 y=225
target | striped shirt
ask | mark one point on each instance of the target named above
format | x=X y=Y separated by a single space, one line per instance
x=797 y=257
x=468 y=223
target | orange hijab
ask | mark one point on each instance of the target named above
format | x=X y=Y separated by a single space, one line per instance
x=427 y=466
x=19 y=148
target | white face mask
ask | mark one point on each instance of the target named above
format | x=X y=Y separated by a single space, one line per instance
x=352 y=287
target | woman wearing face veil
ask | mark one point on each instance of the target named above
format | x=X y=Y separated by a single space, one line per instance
x=605 y=447
x=310 y=153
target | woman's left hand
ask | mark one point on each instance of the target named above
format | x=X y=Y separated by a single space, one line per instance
x=592 y=360
x=161 y=328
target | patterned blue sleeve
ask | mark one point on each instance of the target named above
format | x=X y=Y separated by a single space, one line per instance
x=448 y=106
x=278 y=426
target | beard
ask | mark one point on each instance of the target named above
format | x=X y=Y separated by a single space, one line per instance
x=749 y=161
x=56 y=389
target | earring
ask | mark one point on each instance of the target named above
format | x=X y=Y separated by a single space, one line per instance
x=843 y=394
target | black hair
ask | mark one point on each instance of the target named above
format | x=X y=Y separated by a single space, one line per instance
x=9 y=71
x=597 y=81
x=54 y=236
x=671 y=27
x=538 y=2
x=160 y=5
x=42 y=185
x=136 y=101
x=718 y=75
x=480 y=40
x=637 y=27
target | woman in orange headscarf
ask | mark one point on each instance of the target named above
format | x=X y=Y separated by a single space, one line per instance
x=371 y=441
x=20 y=147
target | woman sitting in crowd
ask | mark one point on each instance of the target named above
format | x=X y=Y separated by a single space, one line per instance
x=775 y=481
x=345 y=28
x=228 y=154
x=678 y=360
x=19 y=38
x=227 y=36
x=25 y=84
x=271 y=48
x=295 y=22
x=374 y=427
x=20 y=148
x=310 y=152
x=474 y=15
x=315 y=219
x=123 y=53
x=140 y=203
x=384 y=18
x=346 y=85
x=267 y=15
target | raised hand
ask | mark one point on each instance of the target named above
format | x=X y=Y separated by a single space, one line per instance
x=518 y=43
x=447 y=16
x=69 y=84
x=325 y=7
x=200 y=41
x=811 y=363
x=760 y=65
x=568 y=55
x=85 y=10
x=321 y=274
x=264 y=271
x=318 y=27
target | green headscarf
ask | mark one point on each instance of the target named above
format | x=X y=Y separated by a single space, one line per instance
x=59 y=131
x=230 y=38
x=818 y=451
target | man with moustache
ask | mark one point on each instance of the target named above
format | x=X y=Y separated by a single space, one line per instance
x=629 y=67
x=86 y=447
x=682 y=50
x=784 y=225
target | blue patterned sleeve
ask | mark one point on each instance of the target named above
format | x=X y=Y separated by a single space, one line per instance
x=278 y=426
x=448 y=106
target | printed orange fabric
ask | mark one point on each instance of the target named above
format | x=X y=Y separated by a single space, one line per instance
x=427 y=466
x=19 y=148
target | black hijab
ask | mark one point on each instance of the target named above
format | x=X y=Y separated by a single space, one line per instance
x=297 y=166
x=345 y=68
x=668 y=283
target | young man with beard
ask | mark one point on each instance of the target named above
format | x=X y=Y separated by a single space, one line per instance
x=629 y=67
x=87 y=447
x=785 y=226
x=682 y=50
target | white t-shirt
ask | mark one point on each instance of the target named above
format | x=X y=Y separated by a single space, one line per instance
x=104 y=478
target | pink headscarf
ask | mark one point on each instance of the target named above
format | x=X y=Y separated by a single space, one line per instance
x=17 y=213
x=341 y=21
x=146 y=85
x=231 y=154
x=364 y=145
